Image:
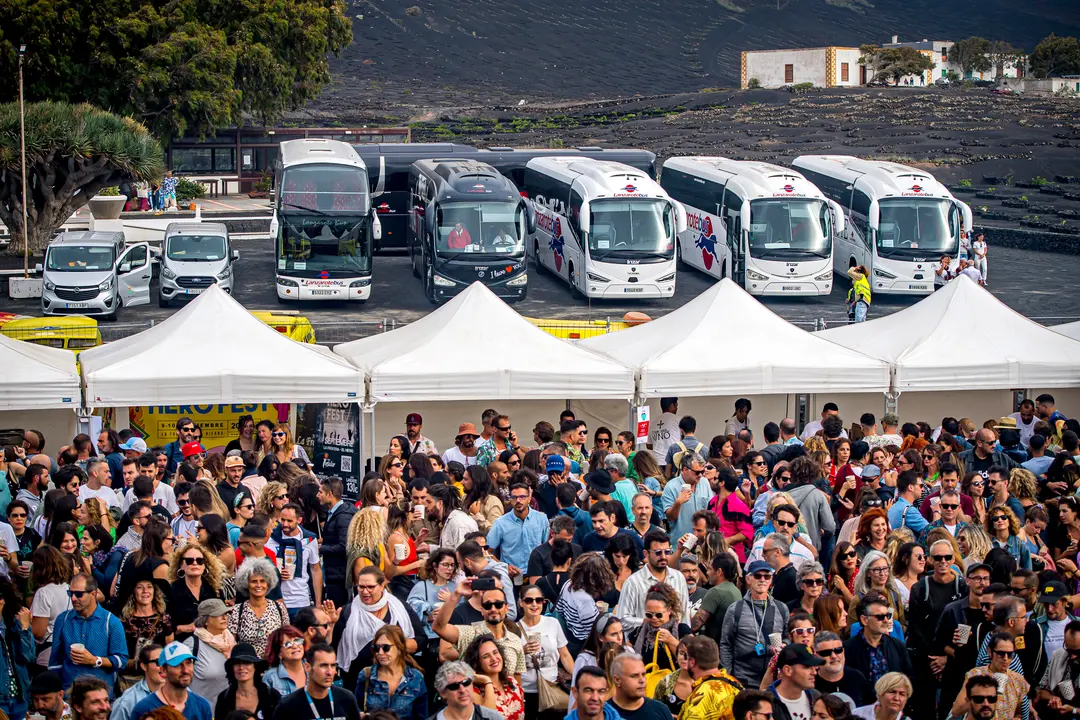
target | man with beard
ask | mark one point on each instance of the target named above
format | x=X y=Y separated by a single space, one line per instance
x=982 y=693
x=90 y=699
x=464 y=450
x=47 y=697
x=315 y=624
x=960 y=647
x=495 y=610
x=179 y=666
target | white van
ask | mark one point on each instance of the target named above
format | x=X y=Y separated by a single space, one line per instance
x=94 y=273
x=194 y=256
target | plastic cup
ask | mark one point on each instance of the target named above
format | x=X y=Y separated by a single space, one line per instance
x=78 y=646
x=965 y=633
x=533 y=637
x=776 y=640
x=691 y=541
x=418 y=510
x=401 y=552
x=1002 y=681
x=601 y=606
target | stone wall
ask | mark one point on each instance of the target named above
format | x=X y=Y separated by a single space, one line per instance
x=1030 y=239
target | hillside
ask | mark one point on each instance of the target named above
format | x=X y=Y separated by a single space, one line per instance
x=454 y=53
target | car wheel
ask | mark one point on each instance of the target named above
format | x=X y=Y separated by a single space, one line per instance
x=162 y=301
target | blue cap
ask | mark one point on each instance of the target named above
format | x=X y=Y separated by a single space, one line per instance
x=555 y=463
x=759 y=566
x=575 y=468
x=174 y=654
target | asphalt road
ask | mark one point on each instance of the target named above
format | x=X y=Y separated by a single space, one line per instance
x=1036 y=284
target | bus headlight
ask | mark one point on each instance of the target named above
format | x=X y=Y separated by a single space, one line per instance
x=360 y=283
x=520 y=280
x=756 y=275
x=884 y=274
x=824 y=276
x=443 y=282
x=666 y=278
x=596 y=278
x=285 y=282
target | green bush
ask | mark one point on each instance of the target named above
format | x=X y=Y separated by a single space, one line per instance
x=1039 y=180
x=965 y=183
x=109 y=191
x=189 y=190
x=753 y=83
x=803 y=86
x=265 y=182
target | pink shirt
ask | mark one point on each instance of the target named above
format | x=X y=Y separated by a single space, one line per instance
x=737 y=521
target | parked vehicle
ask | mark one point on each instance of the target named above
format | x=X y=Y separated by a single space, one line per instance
x=195 y=256
x=94 y=273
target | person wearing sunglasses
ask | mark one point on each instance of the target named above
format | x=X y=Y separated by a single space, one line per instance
x=834 y=676
x=545 y=647
x=873 y=643
x=394 y=682
x=495 y=611
x=949 y=505
x=744 y=639
x=87 y=640
x=454 y=683
x=801 y=631
x=248 y=690
x=1003 y=527
x=1012 y=688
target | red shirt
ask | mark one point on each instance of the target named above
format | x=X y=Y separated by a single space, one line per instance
x=458 y=239
x=269 y=556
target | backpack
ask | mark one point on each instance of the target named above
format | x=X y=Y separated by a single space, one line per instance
x=677 y=456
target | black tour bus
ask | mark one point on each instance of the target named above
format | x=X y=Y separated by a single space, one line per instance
x=467 y=223
x=389 y=165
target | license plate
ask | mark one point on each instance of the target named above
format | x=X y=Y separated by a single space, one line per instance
x=793 y=288
x=77 y=306
x=917 y=287
x=324 y=292
x=194 y=291
x=634 y=289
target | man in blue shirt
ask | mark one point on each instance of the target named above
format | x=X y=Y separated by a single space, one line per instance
x=179 y=665
x=903 y=513
x=153 y=678
x=515 y=534
x=685 y=494
x=87 y=640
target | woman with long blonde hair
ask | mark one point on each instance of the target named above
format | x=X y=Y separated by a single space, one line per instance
x=366 y=543
x=195 y=574
x=285 y=449
x=974 y=543
x=274 y=497
x=97 y=513
x=217 y=505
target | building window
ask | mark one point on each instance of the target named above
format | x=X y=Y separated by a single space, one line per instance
x=844 y=70
x=789 y=73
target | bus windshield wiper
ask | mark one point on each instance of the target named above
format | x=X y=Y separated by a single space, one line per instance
x=317 y=211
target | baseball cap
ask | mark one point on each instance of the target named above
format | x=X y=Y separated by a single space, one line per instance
x=1053 y=591
x=979 y=566
x=414 y=419
x=174 y=654
x=870 y=472
x=575 y=467
x=555 y=463
x=759 y=566
x=192 y=448
x=45 y=683
x=136 y=443
x=234 y=461
x=796 y=654
x=213 y=608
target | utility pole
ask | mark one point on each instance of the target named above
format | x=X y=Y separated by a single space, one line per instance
x=22 y=140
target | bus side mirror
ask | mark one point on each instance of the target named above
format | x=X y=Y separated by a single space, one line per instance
x=376 y=226
x=584 y=216
x=274 y=226
x=680 y=216
x=530 y=218
x=875 y=215
x=838 y=217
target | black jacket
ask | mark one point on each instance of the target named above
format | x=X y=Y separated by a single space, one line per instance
x=780 y=711
x=268 y=700
x=857 y=653
x=335 y=535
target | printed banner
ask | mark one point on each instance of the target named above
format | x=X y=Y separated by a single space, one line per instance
x=330 y=433
x=157 y=424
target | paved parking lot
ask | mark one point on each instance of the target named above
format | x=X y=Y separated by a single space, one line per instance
x=1041 y=285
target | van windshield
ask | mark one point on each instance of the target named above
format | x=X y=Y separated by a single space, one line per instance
x=80 y=258
x=196 y=248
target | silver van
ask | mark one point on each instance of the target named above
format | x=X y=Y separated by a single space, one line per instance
x=194 y=256
x=94 y=273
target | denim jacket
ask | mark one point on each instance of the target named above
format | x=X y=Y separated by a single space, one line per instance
x=278 y=679
x=409 y=700
x=21 y=644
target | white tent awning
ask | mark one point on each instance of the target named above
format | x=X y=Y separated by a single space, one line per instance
x=725 y=342
x=35 y=377
x=215 y=351
x=963 y=338
x=476 y=347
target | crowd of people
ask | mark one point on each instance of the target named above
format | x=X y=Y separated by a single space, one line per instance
x=817 y=575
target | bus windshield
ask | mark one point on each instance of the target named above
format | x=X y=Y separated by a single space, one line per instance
x=311 y=245
x=467 y=230
x=796 y=229
x=325 y=189
x=82 y=258
x=917 y=227
x=631 y=230
x=196 y=248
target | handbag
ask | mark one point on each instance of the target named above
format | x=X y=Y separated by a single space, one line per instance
x=653 y=673
x=551 y=696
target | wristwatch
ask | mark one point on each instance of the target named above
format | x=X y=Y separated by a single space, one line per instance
x=97 y=662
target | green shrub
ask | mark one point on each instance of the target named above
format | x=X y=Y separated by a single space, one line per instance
x=1039 y=180
x=265 y=182
x=109 y=191
x=965 y=183
x=189 y=190
x=753 y=83
x=803 y=86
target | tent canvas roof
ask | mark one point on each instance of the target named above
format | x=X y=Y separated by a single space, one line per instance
x=963 y=338
x=215 y=351
x=35 y=377
x=695 y=351
x=1070 y=330
x=477 y=347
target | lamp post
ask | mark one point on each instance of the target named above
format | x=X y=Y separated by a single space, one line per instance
x=22 y=141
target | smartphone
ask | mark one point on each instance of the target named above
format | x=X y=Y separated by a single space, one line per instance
x=483 y=584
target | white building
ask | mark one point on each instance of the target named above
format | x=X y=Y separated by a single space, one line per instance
x=826 y=67
x=945 y=67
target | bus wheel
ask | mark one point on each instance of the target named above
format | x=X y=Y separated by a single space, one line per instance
x=281 y=300
x=574 y=292
x=412 y=261
x=540 y=269
x=429 y=285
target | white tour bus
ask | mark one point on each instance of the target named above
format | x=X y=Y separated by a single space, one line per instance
x=762 y=225
x=900 y=220
x=606 y=228
x=323 y=225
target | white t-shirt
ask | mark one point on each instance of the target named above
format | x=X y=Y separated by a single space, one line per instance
x=454 y=453
x=11 y=542
x=972 y=272
x=797 y=709
x=1055 y=635
x=163 y=496
x=978 y=248
x=733 y=426
x=552 y=638
x=49 y=602
x=662 y=434
x=799 y=553
x=105 y=494
x=1026 y=431
x=813 y=427
x=295 y=591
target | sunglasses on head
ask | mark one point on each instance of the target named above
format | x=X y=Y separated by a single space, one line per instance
x=467 y=682
x=493 y=604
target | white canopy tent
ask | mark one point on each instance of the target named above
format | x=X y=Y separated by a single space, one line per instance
x=963 y=338
x=476 y=347
x=1071 y=330
x=702 y=349
x=214 y=351
x=35 y=377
